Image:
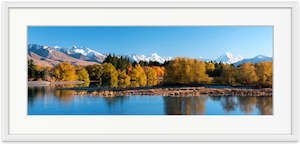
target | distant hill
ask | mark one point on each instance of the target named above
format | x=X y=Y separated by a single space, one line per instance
x=229 y=58
x=50 y=56
x=257 y=59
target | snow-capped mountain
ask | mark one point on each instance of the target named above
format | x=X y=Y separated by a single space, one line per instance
x=228 y=58
x=43 y=51
x=153 y=57
x=257 y=59
x=50 y=56
x=83 y=56
x=83 y=53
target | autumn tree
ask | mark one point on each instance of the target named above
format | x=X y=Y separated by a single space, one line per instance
x=151 y=76
x=124 y=79
x=228 y=75
x=186 y=70
x=210 y=68
x=65 y=71
x=264 y=72
x=110 y=75
x=246 y=74
x=160 y=70
x=48 y=74
x=138 y=76
x=95 y=72
x=82 y=74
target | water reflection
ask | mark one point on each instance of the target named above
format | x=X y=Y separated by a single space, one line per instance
x=64 y=95
x=265 y=105
x=50 y=100
x=194 y=105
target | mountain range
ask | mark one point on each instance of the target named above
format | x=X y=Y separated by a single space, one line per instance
x=50 y=56
x=229 y=58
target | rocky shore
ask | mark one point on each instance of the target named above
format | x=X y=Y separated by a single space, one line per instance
x=170 y=91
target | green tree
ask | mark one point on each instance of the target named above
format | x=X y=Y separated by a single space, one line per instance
x=95 y=72
x=31 y=70
x=119 y=62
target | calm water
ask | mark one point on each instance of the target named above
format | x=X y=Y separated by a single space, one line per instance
x=51 y=101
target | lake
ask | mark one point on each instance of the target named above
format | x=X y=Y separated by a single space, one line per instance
x=46 y=100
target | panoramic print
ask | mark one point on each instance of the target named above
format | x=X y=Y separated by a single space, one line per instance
x=150 y=70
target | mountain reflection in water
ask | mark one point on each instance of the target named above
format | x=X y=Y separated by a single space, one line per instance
x=48 y=100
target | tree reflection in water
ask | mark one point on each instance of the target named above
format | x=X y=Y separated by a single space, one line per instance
x=111 y=101
x=64 y=95
x=171 y=105
x=188 y=105
x=37 y=93
x=247 y=104
x=265 y=105
x=195 y=105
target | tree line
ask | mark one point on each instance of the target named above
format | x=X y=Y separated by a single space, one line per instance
x=187 y=71
x=119 y=71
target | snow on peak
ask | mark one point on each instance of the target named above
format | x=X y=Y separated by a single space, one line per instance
x=153 y=57
x=257 y=59
x=229 y=55
x=228 y=58
x=74 y=51
x=81 y=51
x=56 y=47
x=85 y=51
x=45 y=47
x=261 y=57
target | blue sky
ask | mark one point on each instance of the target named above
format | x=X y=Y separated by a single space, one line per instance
x=185 y=41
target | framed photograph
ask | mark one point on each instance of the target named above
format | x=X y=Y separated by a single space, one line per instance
x=155 y=71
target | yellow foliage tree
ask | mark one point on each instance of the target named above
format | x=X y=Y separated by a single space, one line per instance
x=210 y=67
x=228 y=74
x=246 y=74
x=82 y=74
x=264 y=71
x=65 y=71
x=160 y=70
x=138 y=76
x=186 y=70
x=110 y=75
x=124 y=79
x=151 y=76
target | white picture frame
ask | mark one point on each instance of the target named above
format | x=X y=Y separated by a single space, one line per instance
x=5 y=94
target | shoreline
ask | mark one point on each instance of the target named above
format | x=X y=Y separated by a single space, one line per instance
x=170 y=91
x=47 y=83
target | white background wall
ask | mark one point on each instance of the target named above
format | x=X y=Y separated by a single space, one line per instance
x=140 y=142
